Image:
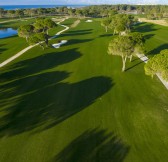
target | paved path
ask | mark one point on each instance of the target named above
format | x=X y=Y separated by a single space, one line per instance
x=145 y=59
x=29 y=47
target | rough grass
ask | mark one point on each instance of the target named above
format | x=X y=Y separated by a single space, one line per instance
x=158 y=22
x=74 y=104
x=75 y=24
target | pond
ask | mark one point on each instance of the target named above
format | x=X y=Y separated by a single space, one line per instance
x=7 y=32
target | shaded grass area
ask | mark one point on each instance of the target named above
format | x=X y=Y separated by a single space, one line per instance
x=74 y=104
x=94 y=145
x=156 y=37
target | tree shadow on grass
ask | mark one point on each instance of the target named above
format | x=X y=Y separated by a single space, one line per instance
x=40 y=63
x=145 y=27
x=73 y=34
x=2 y=49
x=76 y=33
x=79 y=31
x=158 y=49
x=77 y=41
x=106 y=35
x=94 y=146
x=42 y=101
x=139 y=62
x=148 y=36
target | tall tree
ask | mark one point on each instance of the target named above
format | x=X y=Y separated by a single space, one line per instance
x=43 y=25
x=25 y=31
x=106 y=22
x=48 y=24
x=158 y=65
x=138 y=43
x=39 y=38
x=121 y=46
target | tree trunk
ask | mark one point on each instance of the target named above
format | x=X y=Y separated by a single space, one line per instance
x=26 y=39
x=131 y=58
x=124 y=59
x=106 y=29
x=114 y=32
x=41 y=46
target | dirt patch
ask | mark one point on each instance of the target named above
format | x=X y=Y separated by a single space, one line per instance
x=75 y=24
x=159 y=22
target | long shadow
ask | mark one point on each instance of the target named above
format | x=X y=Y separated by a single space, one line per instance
x=42 y=101
x=145 y=27
x=77 y=41
x=106 y=35
x=2 y=49
x=80 y=31
x=148 y=36
x=40 y=63
x=158 y=49
x=134 y=65
x=74 y=34
x=94 y=146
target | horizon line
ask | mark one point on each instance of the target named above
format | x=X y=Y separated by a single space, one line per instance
x=79 y=4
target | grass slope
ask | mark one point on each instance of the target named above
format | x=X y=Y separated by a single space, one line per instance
x=74 y=104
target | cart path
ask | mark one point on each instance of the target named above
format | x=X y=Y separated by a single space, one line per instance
x=29 y=47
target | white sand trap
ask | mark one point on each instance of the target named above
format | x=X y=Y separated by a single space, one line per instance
x=89 y=20
x=57 y=45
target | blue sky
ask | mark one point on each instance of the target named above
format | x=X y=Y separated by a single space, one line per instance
x=22 y=2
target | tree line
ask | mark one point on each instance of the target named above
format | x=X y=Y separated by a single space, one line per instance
x=127 y=44
x=151 y=11
x=158 y=65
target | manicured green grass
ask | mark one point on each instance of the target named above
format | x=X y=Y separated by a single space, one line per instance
x=16 y=24
x=12 y=45
x=156 y=37
x=74 y=104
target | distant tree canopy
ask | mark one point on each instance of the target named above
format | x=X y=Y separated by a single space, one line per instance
x=152 y=11
x=19 y=13
x=106 y=23
x=122 y=22
x=158 y=65
x=119 y=23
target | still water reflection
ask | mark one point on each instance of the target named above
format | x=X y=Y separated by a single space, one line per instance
x=7 y=32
